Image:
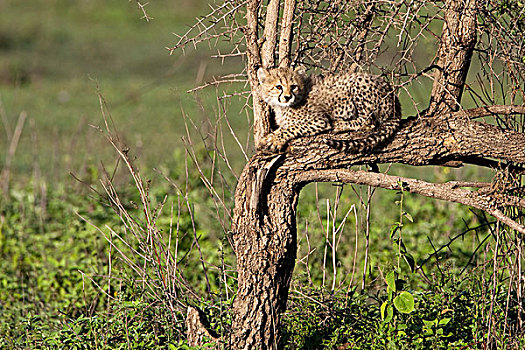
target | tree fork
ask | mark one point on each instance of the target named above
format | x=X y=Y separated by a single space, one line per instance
x=264 y=228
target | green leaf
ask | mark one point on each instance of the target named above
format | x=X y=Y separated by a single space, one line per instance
x=408 y=216
x=445 y=321
x=394 y=229
x=389 y=313
x=402 y=246
x=391 y=280
x=383 y=308
x=404 y=302
x=428 y=324
x=410 y=261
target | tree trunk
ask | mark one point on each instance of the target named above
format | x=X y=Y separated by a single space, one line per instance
x=265 y=244
x=264 y=227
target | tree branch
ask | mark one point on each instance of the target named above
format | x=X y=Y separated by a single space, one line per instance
x=420 y=141
x=285 y=40
x=365 y=20
x=458 y=39
x=261 y=112
x=270 y=34
x=448 y=191
x=490 y=110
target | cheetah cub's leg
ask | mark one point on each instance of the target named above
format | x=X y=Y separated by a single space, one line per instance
x=299 y=127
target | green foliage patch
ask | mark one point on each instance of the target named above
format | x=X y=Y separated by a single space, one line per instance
x=446 y=317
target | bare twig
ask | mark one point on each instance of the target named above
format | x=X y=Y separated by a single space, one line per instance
x=142 y=8
x=13 y=145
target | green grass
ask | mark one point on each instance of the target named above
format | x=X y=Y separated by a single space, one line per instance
x=47 y=301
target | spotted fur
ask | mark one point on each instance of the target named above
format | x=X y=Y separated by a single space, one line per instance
x=307 y=106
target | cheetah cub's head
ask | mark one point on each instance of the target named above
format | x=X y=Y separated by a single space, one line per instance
x=283 y=87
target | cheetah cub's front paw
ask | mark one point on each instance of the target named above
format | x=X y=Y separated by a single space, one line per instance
x=271 y=143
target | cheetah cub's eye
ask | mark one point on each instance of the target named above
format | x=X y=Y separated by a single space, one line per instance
x=294 y=87
x=279 y=87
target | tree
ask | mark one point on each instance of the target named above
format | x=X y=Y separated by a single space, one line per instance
x=374 y=36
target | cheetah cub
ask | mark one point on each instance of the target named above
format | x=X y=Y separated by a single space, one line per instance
x=307 y=106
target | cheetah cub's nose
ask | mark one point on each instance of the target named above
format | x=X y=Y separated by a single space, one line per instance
x=287 y=97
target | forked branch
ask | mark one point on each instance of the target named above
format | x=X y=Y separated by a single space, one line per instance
x=264 y=216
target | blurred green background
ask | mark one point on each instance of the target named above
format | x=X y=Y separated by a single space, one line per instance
x=55 y=54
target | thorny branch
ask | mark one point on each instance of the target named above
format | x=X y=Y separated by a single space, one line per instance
x=142 y=8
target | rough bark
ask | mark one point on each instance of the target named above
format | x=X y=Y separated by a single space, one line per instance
x=454 y=54
x=420 y=141
x=264 y=238
x=197 y=327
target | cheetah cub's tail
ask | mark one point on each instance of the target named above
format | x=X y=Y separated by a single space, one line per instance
x=368 y=143
x=380 y=134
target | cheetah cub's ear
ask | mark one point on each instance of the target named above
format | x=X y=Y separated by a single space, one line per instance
x=262 y=74
x=301 y=71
